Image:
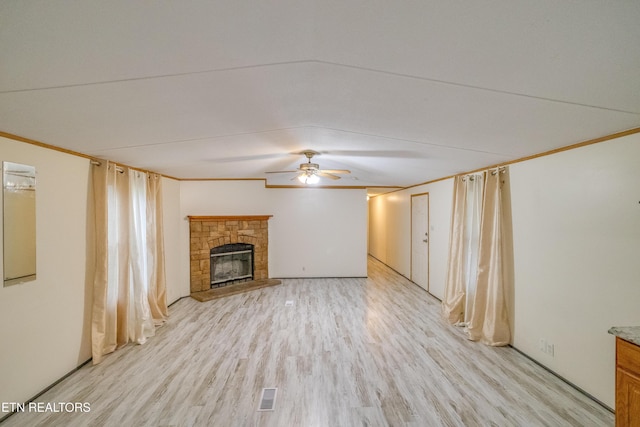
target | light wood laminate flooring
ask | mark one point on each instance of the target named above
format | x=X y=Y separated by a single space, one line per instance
x=348 y=352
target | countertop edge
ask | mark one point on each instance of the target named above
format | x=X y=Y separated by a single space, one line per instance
x=627 y=333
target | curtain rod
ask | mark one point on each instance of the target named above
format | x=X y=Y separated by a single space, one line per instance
x=471 y=176
x=97 y=163
x=121 y=169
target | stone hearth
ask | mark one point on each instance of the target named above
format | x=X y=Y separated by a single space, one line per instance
x=206 y=232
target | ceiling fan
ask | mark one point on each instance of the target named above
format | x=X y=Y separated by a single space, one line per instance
x=310 y=173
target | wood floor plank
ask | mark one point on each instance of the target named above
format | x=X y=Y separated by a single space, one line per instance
x=347 y=352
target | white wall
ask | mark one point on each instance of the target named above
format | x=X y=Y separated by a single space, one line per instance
x=313 y=232
x=390 y=230
x=45 y=324
x=576 y=222
x=576 y=227
x=318 y=233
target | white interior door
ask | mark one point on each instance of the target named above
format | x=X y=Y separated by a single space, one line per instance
x=420 y=240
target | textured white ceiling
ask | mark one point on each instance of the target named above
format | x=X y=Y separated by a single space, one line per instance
x=397 y=92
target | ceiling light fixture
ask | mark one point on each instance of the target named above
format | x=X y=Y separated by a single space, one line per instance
x=309 y=178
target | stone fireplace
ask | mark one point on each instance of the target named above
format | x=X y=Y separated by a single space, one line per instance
x=237 y=236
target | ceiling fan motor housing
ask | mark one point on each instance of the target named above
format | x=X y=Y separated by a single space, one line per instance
x=309 y=167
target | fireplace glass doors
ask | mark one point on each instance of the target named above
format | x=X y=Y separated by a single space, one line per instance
x=232 y=263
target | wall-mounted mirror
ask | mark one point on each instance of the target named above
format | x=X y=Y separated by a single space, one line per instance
x=19 y=222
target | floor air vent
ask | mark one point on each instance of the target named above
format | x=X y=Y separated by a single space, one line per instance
x=268 y=399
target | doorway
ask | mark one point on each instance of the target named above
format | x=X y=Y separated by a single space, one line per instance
x=420 y=240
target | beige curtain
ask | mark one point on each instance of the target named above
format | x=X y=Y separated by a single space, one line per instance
x=454 y=297
x=477 y=286
x=488 y=318
x=109 y=303
x=155 y=233
x=463 y=257
x=99 y=337
x=129 y=270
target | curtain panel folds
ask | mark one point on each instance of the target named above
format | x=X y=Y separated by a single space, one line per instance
x=158 y=293
x=455 y=289
x=488 y=318
x=465 y=235
x=477 y=286
x=129 y=279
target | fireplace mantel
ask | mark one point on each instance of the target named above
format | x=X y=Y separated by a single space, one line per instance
x=230 y=218
x=206 y=232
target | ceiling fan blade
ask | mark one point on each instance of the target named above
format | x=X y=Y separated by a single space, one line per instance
x=376 y=153
x=250 y=158
x=334 y=171
x=282 y=171
x=324 y=174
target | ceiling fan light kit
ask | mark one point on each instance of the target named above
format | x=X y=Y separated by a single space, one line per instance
x=309 y=179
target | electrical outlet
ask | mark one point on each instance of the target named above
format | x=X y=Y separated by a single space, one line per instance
x=550 y=349
x=546 y=347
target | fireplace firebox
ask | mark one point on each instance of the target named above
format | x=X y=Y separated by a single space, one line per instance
x=231 y=263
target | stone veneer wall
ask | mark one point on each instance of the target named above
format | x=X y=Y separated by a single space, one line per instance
x=206 y=232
